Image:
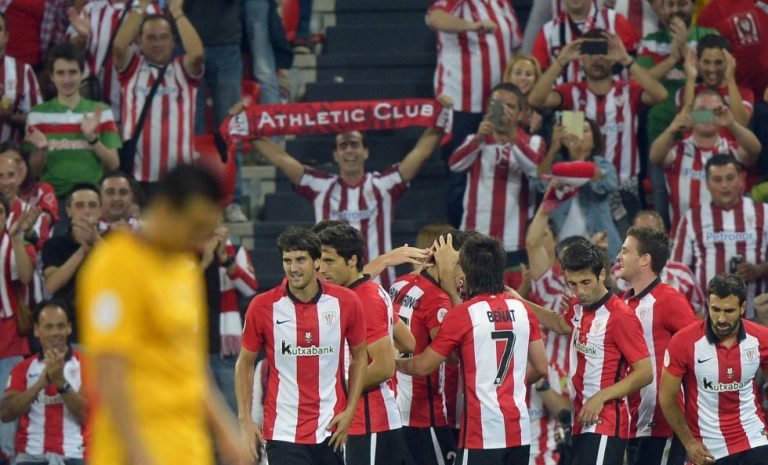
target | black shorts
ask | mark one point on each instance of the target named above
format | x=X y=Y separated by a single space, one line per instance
x=383 y=448
x=756 y=456
x=504 y=456
x=598 y=449
x=429 y=446
x=655 y=451
x=288 y=453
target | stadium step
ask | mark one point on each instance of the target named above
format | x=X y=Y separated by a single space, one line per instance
x=330 y=91
x=393 y=39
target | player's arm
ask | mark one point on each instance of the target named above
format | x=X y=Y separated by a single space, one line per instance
x=223 y=425
x=244 y=371
x=405 y=343
x=289 y=166
x=538 y=258
x=382 y=365
x=641 y=375
x=341 y=422
x=398 y=256
x=537 y=361
x=15 y=403
x=421 y=365
x=669 y=391
x=122 y=46
x=549 y=319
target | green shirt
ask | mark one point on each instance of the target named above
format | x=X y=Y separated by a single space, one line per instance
x=71 y=160
x=654 y=49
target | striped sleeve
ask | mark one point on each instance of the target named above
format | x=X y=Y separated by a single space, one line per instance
x=682 y=249
x=244 y=277
x=313 y=182
x=465 y=156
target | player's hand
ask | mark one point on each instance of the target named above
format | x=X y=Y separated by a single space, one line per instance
x=690 y=65
x=446 y=259
x=748 y=271
x=407 y=254
x=80 y=24
x=590 y=412
x=252 y=438
x=341 y=424
x=761 y=308
x=699 y=454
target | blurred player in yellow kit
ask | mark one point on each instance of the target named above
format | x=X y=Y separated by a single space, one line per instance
x=141 y=307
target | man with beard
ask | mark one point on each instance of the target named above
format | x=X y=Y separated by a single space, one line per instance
x=614 y=103
x=717 y=360
x=118 y=201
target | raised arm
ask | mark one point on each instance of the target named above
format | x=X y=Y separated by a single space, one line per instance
x=194 y=54
x=122 y=46
x=441 y=20
x=542 y=95
x=539 y=260
x=653 y=91
x=664 y=142
x=277 y=156
x=420 y=153
x=679 y=33
x=749 y=144
x=740 y=113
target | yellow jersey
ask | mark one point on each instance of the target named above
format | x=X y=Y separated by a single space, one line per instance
x=148 y=307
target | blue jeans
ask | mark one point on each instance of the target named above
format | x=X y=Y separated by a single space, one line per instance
x=305 y=17
x=7 y=430
x=223 y=369
x=223 y=75
x=262 y=55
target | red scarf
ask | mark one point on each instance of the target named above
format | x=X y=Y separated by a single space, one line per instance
x=333 y=117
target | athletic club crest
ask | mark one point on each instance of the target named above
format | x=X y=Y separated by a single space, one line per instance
x=746 y=28
x=329 y=318
x=729 y=372
x=308 y=337
x=751 y=354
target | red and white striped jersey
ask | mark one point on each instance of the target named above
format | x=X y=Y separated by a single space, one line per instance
x=10 y=287
x=492 y=334
x=304 y=346
x=719 y=384
x=470 y=64
x=42 y=195
x=616 y=113
x=707 y=239
x=606 y=339
x=686 y=177
x=241 y=281
x=561 y=30
x=42 y=227
x=48 y=426
x=377 y=409
x=498 y=200
x=420 y=302
x=747 y=97
x=676 y=275
x=167 y=138
x=639 y=13
x=662 y=311
x=368 y=206
x=549 y=291
x=104 y=18
x=543 y=423
x=454 y=395
x=19 y=92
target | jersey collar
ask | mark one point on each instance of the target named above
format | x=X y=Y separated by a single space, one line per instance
x=599 y=303
x=425 y=274
x=296 y=300
x=644 y=292
x=366 y=277
x=712 y=337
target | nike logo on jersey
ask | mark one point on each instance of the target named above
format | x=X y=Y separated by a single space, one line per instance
x=278 y=322
x=705 y=360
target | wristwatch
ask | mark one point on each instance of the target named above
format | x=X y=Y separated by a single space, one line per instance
x=65 y=388
x=544 y=386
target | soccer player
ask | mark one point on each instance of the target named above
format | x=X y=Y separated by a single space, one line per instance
x=606 y=338
x=496 y=336
x=716 y=361
x=302 y=325
x=376 y=431
x=143 y=324
x=662 y=312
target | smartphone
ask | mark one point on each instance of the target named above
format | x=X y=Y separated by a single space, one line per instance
x=734 y=263
x=703 y=116
x=594 y=47
x=573 y=123
x=496 y=112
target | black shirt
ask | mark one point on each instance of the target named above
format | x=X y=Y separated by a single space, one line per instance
x=217 y=22
x=56 y=252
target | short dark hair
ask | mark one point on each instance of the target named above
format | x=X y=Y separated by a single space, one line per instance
x=721 y=159
x=598 y=141
x=725 y=285
x=115 y=174
x=652 y=242
x=483 y=260
x=509 y=87
x=567 y=242
x=653 y=214
x=346 y=241
x=363 y=138
x=154 y=17
x=583 y=255
x=82 y=186
x=55 y=302
x=712 y=41
x=295 y=239
x=67 y=52
x=322 y=225
x=185 y=182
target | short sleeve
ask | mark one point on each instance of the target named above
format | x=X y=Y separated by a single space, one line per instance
x=17 y=380
x=376 y=319
x=628 y=336
x=451 y=332
x=52 y=254
x=535 y=333
x=253 y=337
x=109 y=304
x=636 y=93
x=355 y=329
x=391 y=181
x=678 y=312
x=569 y=315
x=677 y=356
x=313 y=182
x=132 y=68
x=445 y=5
x=627 y=34
x=566 y=96
x=436 y=311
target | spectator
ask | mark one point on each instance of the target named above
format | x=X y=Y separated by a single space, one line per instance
x=160 y=146
x=662 y=53
x=16 y=271
x=498 y=161
x=589 y=211
x=37 y=227
x=45 y=394
x=716 y=66
x=330 y=193
x=614 y=103
x=728 y=234
x=20 y=91
x=94 y=28
x=523 y=71
x=71 y=139
x=302 y=43
x=737 y=434
x=228 y=275
x=684 y=160
x=674 y=273
x=259 y=25
x=469 y=30
x=36 y=27
x=35 y=193
x=579 y=17
x=220 y=29
x=64 y=254
x=117 y=198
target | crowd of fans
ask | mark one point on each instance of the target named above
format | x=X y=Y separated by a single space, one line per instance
x=627 y=140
